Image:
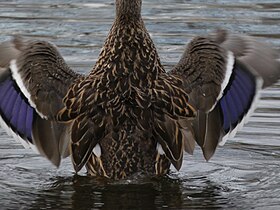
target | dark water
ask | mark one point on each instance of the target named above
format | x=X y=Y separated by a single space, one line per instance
x=243 y=174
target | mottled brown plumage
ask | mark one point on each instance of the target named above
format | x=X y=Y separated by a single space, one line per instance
x=128 y=115
x=203 y=67
x=127 y=104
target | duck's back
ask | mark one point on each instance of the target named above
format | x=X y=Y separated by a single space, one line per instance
x=123 y=108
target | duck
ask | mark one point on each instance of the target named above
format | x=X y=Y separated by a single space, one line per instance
x=129 y=115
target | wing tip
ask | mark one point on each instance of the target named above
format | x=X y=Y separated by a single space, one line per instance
x=208 y=154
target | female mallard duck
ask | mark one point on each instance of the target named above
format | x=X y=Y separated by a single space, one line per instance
x=129 y=115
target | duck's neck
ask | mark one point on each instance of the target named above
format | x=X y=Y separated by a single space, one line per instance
x=128 y=9
x=128 y=47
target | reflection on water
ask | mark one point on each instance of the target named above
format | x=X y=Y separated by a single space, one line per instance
x=79 y=192
x=244 y=174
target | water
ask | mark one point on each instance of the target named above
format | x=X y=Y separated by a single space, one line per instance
x=243 y=174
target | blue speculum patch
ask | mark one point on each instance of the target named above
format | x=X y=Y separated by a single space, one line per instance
x=15 y=109
x=237 y=98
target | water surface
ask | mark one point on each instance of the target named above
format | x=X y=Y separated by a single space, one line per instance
x=243 y=174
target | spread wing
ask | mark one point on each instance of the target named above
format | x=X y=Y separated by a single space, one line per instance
x=34 y=78
x=223 y=74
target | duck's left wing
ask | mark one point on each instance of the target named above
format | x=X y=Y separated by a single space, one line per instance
x=34 y=78
x=224 y=83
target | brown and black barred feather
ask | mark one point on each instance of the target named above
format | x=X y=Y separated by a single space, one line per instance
x=202 y=68
x=133 y=104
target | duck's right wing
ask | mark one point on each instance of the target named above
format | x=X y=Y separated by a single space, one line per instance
x=223 y=74
x=34 y=79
